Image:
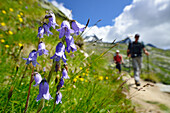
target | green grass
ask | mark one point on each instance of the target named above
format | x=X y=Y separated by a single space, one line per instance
x=96 y=88
x=161 y=106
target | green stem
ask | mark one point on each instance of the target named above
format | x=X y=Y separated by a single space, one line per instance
x=6 y=106
x=51 y=71
x=23 y=74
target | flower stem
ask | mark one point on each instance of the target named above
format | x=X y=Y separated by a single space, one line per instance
x=6 y=106
x=38 y=43
x=51 y=71
x=23 y=74
x=26 y=106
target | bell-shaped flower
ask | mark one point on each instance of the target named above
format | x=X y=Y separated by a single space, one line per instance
x=60 y=49
x=65 y=74
x=32 y=58
x=41 y=49
x=76 y=28
x=58 y=98
x=61 y=83
x=37 y=78
x=52 y=20
x=47 y=29
x=65 y=30
x=40 y=32
x=70 y=44
x=43 y=91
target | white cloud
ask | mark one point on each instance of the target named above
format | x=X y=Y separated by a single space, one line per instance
x=99 y=32
x=61 y=7
x=149 y=18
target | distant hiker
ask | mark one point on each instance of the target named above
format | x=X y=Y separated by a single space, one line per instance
x=135 y=52
x=118 y=60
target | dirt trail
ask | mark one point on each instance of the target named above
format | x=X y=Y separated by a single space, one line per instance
x=148 y=99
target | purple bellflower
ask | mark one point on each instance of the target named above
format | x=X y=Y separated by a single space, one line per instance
x=65 y=74
x=58 y=98
x=40 y=32
x=52 y=20
x=44 y=69
x=70 y=44
x=32 y=58
x=43 y=91
x=46 y=29
x=41 y=49
x=65 y=30
x=76 y=28
x=37 y=78
x=60 y=49
x=61 y=83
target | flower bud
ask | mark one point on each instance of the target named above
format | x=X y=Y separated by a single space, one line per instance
x=57 y=78
x=10 y=92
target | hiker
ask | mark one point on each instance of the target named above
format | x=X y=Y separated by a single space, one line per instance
x=135 y=52
x=118 y=60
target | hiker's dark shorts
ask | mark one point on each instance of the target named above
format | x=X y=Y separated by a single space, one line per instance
x=118 y=66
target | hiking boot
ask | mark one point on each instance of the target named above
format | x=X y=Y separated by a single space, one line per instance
x=137 y=83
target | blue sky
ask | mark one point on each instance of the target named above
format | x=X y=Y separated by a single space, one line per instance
x=106 y=10
x=122 y=18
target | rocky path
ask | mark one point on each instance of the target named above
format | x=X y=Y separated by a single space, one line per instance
x=148 y=98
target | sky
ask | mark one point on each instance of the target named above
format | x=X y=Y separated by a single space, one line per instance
x=122 y=18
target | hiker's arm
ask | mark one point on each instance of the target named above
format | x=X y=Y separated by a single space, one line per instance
x=145 y=51
x=121 y=59
x=128 y=53
x=114 y=59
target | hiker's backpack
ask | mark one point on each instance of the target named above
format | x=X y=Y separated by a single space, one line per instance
x=136 y=49
x=118 y=58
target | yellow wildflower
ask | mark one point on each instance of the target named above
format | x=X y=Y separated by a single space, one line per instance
x=77 y=76
x=10 y=9
x=3 y=11
x=100 y=77
x=81 y=68
x=2 y=40
x=21 y=13
x=84 y=74
x=20 y=44
x=3 y=24
x=1 y=35
x=10 y=32
x=74 y=80
x=19 y=16
x=20 y=2
x=87 y=70
x=20 y=19
x=86 y=80
x=107 y=78
x=81 y=79
x=7 y=46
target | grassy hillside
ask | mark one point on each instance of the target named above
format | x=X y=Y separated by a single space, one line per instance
x=155 y=67
x=93 y=86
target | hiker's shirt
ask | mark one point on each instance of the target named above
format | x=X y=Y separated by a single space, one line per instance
x=118 y=59
x=136 y=49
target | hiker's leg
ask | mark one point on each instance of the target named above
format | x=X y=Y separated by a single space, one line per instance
x=119 y=67
x=139 y=60
x=136 y=69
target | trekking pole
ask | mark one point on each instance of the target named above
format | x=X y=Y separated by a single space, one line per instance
x=129 y=65
x=148 y=65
